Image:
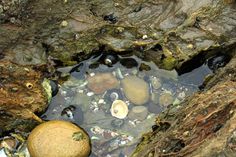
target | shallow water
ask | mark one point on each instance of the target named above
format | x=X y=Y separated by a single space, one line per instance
x=111 y=136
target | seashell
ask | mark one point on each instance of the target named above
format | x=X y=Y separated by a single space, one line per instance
x=114 y=96
x=109 y=59
x=119 y=109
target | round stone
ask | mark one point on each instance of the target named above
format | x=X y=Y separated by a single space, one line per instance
x=136 y=90
x=166 y=99
x=60 y=139
x=138 y=112
x=101 y=82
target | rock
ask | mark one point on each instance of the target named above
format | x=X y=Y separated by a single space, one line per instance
x=129 y=62
x=136 y=90
x=101 y=82
x=22 y=93
x=138 y=112
x=119 y=109
x=82 y=100
x=144 y=67
x=166 y=99
x=154 y=108
x=117 y=123
x=60 y=139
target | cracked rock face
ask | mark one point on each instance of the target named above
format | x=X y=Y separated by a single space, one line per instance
x=166 y=32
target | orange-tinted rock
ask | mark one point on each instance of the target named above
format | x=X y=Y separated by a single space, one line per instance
x=101 y=82
x=58 y=139
x=21 y=95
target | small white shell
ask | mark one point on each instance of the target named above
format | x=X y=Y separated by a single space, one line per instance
x=90 y=94
x=119 y=109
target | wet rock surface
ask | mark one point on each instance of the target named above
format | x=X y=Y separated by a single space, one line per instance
x=168 y=33
x=21 y=95
x=203 y=126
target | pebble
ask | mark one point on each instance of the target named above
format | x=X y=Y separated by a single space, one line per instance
x=138 y=112
x=58 y=138
x=64 y=23
x=156 y=82
x=166 y=99
x=136 y=90
x=154 y=108
x=90 y=94
x=101 y=101
x=117 y=123
x=102 y=82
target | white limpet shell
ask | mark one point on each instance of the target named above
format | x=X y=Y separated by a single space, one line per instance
x=119 y=109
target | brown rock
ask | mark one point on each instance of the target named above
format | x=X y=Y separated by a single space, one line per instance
x=166 y=99
x=21 y=95
x=101 y=82
x=58 y=139
x=136 y=90
x=138 y=112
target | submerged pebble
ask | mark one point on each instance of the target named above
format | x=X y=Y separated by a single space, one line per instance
x=138 y=112
x=117 y=123
x=58 y=138
x=154 y=108
x=156 y=82
x=136 y=90
x=166 y=99
x=101 y=82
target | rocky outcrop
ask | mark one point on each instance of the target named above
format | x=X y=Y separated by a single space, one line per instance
x=203 y=126
x=21 y=95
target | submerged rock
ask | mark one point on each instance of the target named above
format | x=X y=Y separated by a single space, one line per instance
x=166 y=99
x=101 y=82
x=135 y=89
x=156 y=82
x=138 y=112
x=58 y=138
